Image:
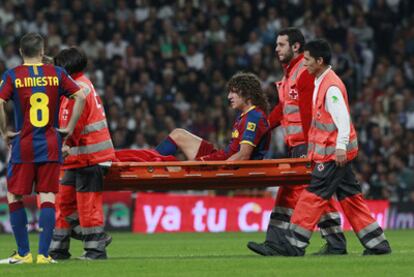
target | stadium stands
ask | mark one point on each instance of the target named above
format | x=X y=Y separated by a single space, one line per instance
x=163 y=64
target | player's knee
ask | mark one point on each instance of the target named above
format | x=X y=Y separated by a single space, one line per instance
x=11 y=198
x=178 y=134
x=47 y=197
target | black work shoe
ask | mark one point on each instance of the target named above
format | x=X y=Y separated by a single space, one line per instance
x=59 y=254
x=327 y=250
x=369 y=252
x=263 y=249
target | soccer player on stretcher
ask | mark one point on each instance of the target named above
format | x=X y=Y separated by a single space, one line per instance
x=250 y=134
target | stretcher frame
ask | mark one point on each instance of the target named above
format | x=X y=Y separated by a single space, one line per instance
x=201 y=175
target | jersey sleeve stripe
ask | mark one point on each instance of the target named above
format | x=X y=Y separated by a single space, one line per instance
x=248 y=142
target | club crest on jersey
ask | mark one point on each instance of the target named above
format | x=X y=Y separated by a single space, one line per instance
x=251 y=126
x=293 y=94
x=321 y=167
x=235 y=134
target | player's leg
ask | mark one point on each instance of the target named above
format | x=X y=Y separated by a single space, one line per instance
x=65 y=209
x=368 y=231
x=181 y=139
x=89 y=187
x=19 y=182
x=47 y=185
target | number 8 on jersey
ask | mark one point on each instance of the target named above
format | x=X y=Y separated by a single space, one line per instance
x=39 y=110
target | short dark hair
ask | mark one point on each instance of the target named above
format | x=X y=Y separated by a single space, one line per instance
x=319 y=48
x=248 y=86
x=294 y=36
x=31 y=45
x=73 y=59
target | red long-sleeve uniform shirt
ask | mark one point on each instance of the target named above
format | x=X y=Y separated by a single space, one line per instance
x=304 y=86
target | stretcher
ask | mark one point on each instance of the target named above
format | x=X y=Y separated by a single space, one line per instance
x=200 y=175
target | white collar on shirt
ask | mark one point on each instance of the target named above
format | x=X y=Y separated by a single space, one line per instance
x=320 y=78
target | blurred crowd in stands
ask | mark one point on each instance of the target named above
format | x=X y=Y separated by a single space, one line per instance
x=164 y=64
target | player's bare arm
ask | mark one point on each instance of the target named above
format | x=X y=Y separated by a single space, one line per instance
x=245 y=153
x=7 y=135
x=2 y=119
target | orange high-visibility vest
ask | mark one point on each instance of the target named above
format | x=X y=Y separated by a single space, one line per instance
x=323 y=131
x=90 y=142
x=288 y=95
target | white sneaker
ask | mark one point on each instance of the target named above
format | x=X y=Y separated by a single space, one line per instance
x=15 y=258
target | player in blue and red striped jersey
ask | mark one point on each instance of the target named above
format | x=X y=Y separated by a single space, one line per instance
x=250 y=134
x=36 y=153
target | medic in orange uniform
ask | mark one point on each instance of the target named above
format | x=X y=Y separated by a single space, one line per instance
x=89 y=152
x=294 y=114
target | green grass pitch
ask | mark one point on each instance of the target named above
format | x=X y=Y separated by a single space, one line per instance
x=221 y=254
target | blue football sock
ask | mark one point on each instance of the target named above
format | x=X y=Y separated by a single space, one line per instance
x=46 y=226
x=18 y=221
x=167 y=147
